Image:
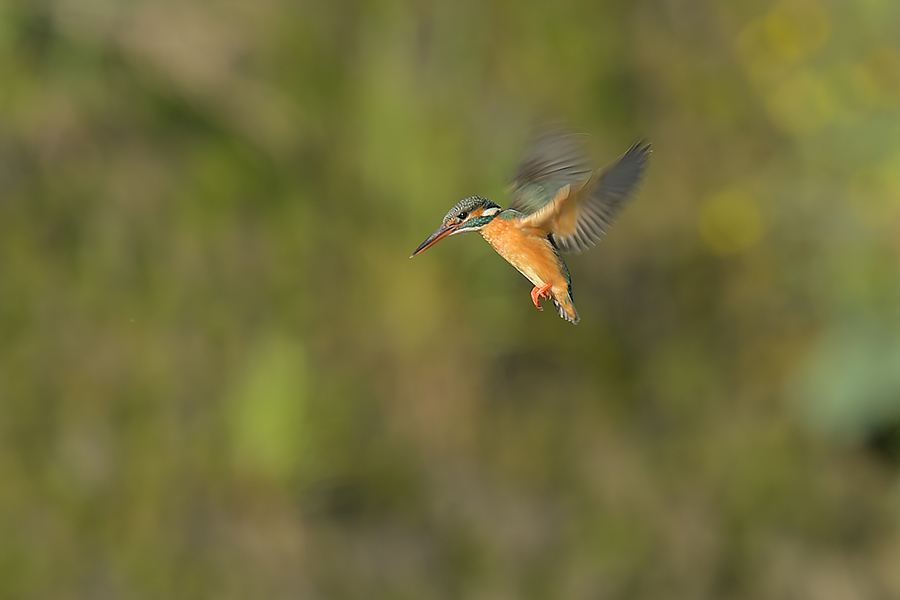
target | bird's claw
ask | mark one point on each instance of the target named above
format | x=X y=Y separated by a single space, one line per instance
x=536 y=294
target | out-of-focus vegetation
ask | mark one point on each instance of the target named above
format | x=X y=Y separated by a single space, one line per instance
x=222 y=377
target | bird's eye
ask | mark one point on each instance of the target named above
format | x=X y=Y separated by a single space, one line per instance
x=462 y=216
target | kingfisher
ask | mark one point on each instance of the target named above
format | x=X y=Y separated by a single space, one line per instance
x=559 y=204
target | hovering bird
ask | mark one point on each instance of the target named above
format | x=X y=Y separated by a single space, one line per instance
x=559 y=204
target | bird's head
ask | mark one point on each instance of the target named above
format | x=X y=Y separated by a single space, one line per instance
x=469 y=214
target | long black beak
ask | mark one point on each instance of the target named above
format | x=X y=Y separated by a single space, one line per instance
x=439 y=234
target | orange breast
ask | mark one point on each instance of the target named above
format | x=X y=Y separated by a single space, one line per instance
x=528 y=250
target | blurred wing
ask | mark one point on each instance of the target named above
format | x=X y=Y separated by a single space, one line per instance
x=556 y=159
x=579 y=213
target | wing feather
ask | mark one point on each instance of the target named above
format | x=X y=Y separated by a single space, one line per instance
x=582 y=205
x=556 y=159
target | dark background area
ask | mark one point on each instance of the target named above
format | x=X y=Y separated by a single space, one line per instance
x=222 y=377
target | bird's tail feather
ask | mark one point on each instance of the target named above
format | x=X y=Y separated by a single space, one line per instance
x=566 y=310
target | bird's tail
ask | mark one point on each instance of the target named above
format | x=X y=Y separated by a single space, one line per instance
x=566 y=309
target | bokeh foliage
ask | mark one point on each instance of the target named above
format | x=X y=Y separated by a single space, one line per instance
x=222 y=377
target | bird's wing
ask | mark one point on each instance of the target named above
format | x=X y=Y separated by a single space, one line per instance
x=575 y=206
x=555 y=159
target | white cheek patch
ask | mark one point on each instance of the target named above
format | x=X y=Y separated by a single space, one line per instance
x=490 y=212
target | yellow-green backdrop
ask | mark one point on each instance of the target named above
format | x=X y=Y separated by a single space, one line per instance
x=222 y=377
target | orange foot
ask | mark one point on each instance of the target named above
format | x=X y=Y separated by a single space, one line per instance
x=536 y=294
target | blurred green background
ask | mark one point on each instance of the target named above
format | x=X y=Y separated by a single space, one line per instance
x=222 y=377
